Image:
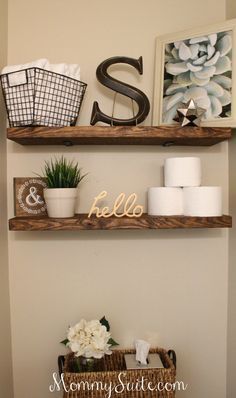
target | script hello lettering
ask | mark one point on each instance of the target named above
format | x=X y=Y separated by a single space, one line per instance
x=122 y=207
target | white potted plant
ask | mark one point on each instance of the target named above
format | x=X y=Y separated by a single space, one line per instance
x=62 y=178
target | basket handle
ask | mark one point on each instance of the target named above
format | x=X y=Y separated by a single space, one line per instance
x=172 y=356
x=61 y=362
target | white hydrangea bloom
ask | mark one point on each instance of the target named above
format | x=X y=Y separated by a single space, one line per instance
x=89 y=339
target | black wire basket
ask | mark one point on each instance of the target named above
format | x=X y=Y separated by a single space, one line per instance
x=38 y=97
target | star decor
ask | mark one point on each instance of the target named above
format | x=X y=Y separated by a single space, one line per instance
x=190 y=114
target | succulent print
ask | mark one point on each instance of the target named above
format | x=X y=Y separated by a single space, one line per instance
x=199 y=68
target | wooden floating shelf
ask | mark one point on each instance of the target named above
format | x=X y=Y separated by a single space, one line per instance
x=82 y=222
x=119 y=135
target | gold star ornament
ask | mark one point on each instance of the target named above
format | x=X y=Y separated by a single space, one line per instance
x=189 y=114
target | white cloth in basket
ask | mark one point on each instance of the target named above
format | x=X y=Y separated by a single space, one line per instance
x=70 y=70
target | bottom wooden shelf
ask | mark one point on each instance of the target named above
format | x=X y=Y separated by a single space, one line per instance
x=82 y=222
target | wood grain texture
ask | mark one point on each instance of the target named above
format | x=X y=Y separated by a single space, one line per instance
x=118 y=135
x=82 y=222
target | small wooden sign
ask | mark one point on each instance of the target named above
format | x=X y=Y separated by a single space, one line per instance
x=28 y=196
x=122 y=207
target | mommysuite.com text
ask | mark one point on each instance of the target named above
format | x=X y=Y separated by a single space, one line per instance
x=110 y=388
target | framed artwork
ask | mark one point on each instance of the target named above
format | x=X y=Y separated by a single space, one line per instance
x=197 y=64
x=28 y=197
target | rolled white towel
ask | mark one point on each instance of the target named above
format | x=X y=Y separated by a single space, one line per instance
x=70 y=70
x=74 y=71
x=42 y=63
x=58 y=68
x=17 y=74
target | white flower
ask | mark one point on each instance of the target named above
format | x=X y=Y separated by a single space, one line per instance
x=89 y=339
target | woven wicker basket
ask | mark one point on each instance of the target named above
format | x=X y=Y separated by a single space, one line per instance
x=113 y=366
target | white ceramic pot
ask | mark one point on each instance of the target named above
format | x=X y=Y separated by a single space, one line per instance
x=60 y=202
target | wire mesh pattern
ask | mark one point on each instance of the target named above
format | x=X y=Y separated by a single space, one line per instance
x=37 y=97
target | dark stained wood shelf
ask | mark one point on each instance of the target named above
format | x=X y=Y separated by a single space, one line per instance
x=82 y=222
x=118 y=135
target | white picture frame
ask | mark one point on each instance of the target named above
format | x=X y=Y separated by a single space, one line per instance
x=165 y=47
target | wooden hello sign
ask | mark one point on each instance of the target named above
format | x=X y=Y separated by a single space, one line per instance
x=122 y=207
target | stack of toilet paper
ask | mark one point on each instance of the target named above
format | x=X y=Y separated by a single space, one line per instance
x=183 y=193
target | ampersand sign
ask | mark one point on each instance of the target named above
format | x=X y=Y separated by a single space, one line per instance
x=33 y=199
x=28 y=195
x=120 y=87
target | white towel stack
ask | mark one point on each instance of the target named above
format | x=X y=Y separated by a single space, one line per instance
x=183 y=193
x=70 y=70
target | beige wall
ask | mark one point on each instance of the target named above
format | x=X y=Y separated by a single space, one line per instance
x=230 y=9
x=6 y=384
x=231 y=362
x=166 y=286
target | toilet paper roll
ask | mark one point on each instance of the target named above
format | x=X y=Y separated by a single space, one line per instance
x=182 y=172
x=202 y=201
x=163 y=201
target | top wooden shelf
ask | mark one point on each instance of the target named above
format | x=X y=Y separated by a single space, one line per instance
x=119 y=135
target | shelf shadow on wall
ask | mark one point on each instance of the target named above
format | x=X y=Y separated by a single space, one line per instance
x=118 y=235
x=15 y=148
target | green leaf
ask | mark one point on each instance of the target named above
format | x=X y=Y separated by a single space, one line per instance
x=64 y=341
x=77 y=368
x=112 y=342
x=105 y=323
